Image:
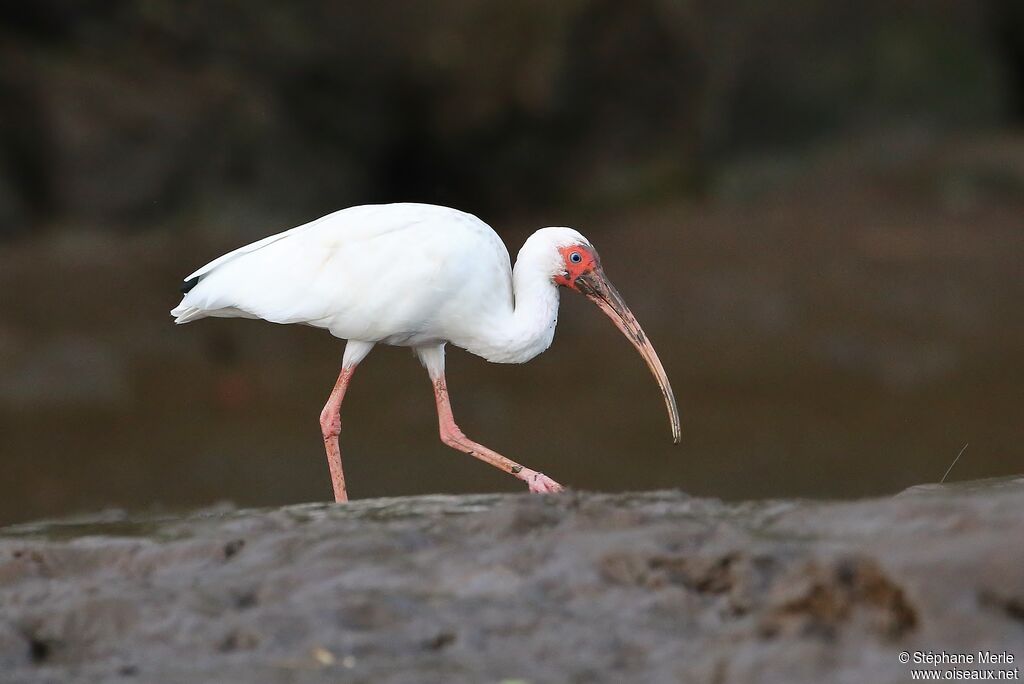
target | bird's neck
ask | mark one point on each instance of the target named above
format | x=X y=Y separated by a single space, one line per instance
x=528 y=327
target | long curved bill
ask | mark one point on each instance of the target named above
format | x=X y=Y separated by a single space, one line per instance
x=596 y=287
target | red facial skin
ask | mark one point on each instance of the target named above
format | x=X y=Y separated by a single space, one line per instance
x=571 y=270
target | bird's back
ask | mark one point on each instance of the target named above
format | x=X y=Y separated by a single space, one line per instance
x=396 y=273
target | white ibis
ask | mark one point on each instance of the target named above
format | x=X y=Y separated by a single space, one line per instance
x=420 y=276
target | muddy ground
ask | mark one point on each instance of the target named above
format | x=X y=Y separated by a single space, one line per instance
x=655 y=587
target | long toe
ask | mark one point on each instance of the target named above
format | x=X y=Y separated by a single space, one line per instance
x=542 y=484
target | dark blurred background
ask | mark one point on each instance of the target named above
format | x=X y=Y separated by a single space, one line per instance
x=815 y=208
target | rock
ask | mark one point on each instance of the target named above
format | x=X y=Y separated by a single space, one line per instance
x=581 y=587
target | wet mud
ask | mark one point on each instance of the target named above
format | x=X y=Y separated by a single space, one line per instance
x=652 y=587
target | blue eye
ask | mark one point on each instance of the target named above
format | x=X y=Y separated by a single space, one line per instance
x=575 y=257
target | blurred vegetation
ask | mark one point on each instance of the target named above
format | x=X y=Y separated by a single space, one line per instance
x=125 y=114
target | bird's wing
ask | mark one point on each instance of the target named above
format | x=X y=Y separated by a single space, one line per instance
x=325 y=270
x=199 y=273
x=259 y=244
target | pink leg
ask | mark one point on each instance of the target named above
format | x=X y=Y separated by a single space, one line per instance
x=330 y=426
x=453 y=437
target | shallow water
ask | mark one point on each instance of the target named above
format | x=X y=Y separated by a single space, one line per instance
x=816 y=350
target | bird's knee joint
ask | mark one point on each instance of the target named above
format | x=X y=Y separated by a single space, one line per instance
x=330 y=428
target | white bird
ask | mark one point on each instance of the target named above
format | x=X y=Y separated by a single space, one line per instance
x=420 y=276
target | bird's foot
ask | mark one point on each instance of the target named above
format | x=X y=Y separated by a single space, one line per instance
x=540 y=483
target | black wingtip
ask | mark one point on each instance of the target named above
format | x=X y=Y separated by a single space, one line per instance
x=189 y=284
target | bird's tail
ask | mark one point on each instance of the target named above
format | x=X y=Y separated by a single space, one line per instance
x=183 y=313
x=186 y=314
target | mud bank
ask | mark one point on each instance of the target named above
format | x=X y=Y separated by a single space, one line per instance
x=655 y=587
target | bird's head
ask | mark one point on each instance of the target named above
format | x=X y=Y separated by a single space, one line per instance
x=578 y=267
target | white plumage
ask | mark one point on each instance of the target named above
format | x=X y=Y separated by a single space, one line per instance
x=413 y=275
x=402 y=274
